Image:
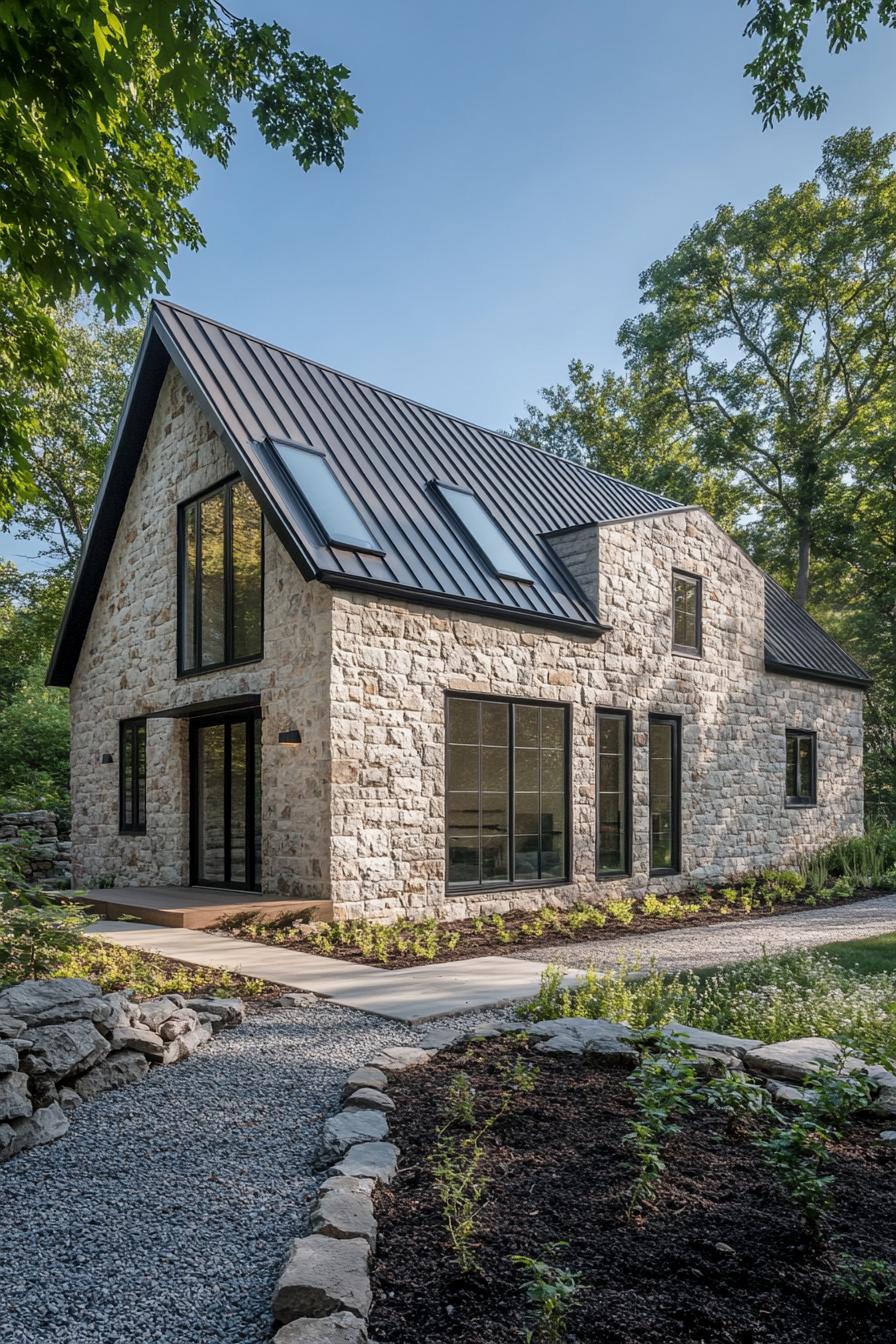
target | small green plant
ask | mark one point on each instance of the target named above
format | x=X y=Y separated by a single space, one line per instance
x=797 y=1150
x=460 y=1106
x=460 y=1186
x=664 y=1088
x=622 y=910
x=741 y=1101
x=870 y=1282
x=551 y=1290
x=37 y=933
x=518 y=1074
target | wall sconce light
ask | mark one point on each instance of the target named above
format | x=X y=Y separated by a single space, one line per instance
x=290 y=735
x=106 y=758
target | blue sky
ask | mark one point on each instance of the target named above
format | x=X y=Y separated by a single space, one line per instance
x=517 y=166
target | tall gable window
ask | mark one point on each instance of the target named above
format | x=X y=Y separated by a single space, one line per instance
x=665 y=793
x=801 y=769
x=220 y=579
x=507 y=792
x=687 y=615
x=132 y=776
x=614 y=786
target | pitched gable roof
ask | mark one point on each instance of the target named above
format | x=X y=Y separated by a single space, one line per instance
x=386 y=451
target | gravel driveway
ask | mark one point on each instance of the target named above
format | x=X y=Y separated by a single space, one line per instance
x=718 y=943
x=162 y=1217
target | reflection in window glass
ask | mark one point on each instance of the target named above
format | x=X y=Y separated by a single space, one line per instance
x=800 y=772
x=664 y=794
x=506 y=792
x=246 y=561
x=686 y=598
x=132 y=776
x=324 y=495
x=220 y=579
x=612 y=793
x=211 y=583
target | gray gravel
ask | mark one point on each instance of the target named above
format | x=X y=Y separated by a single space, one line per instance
x=163 y=1216
x=719 y=943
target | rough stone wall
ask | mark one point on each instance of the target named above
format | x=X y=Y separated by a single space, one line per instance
x=36 y=840
x=393 y=663
x=128 y=667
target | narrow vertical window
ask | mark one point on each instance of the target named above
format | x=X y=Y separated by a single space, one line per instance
x=664 y=793
x=220 y=587
x=801 y=769
x=506 y=792
x=132 y=776
x=687 y=617
x=613 y=793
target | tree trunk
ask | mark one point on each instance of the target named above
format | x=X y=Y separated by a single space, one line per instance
x=802 y=573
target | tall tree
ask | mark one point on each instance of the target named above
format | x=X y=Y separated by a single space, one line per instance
x=782 y=26
x=774 y=328
x=100 y=107
x=77 y=418
x=628 y=428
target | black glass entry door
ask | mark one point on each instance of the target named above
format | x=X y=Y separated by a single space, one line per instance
x=225 y=802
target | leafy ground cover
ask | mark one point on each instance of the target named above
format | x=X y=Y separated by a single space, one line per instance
x=518 y=1211
x=868 y=955
x=855 y=869
x=773 y=998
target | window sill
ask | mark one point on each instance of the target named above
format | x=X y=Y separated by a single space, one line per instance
x=218 y=667
x=664 y=872
x=620 y=876
x=681 y=652
x=132 y=830
x=800 y=804
x=460 y=889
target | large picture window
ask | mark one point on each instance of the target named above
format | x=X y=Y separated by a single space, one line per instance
x=507 y=792
x=665 y=793
x=132 y=776
x=801 y=769
x=220 y=579
x=613 y=793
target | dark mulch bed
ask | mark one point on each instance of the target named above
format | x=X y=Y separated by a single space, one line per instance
x=487 y=942
x=722 y=1260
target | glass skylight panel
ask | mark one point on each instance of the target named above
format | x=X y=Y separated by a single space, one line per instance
x=329 y=505
x=486 y=533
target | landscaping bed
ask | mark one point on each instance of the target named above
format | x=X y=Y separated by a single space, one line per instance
x=418 y=942
x=720 y=1255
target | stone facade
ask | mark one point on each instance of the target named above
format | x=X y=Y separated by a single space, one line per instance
x=356 y=812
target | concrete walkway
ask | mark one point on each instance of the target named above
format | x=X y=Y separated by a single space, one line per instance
x=719 y=943
x=412 y=995
x=423 y=992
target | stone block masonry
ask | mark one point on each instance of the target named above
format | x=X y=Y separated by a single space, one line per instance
x=355 y=813
x=39 y=843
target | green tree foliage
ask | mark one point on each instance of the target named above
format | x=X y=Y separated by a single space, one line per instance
x=782 y=26
x=34 y=744
x=774 y=328
x=77 y=418
x=100 y=107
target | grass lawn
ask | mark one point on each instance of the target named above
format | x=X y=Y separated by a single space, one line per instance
x=867 y=955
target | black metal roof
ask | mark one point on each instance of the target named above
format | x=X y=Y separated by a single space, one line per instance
x=386 y=451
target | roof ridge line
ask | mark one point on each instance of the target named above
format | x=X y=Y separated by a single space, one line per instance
x=411 y=401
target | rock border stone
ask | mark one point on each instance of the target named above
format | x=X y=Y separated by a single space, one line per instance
x=324 y=1295
x=63 y=1042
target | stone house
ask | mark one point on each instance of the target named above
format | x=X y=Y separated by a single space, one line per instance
x=327 y=643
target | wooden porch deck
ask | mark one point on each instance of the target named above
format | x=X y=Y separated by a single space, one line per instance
x=194 y=907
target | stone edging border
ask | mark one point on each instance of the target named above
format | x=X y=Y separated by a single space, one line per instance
x=324 y=1294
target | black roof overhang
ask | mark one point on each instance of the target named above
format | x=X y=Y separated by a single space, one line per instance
x=804 y=674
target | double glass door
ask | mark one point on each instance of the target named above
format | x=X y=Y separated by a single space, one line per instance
x=225 y=802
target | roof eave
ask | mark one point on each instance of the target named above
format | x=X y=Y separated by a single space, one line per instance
x=806 y=674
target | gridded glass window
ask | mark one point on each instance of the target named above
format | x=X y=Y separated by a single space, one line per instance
x=220 y=589
x=132 y=776
x=801 y=769
x=687 y=599
x=613 y=792
x=664 y=792
x=506 y=792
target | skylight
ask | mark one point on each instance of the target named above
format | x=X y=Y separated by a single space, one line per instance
x=485 y=532
x=324 y=497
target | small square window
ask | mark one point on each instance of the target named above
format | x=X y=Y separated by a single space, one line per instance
x=801 y=770
x=132 y=776
x=687 y=614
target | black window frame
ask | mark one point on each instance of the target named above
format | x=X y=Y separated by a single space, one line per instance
x=198 y=668
x=128 y=737
x=467 y=888
x=689 y=650
x=676 y=723
x=798 y=799
x=625 y=715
